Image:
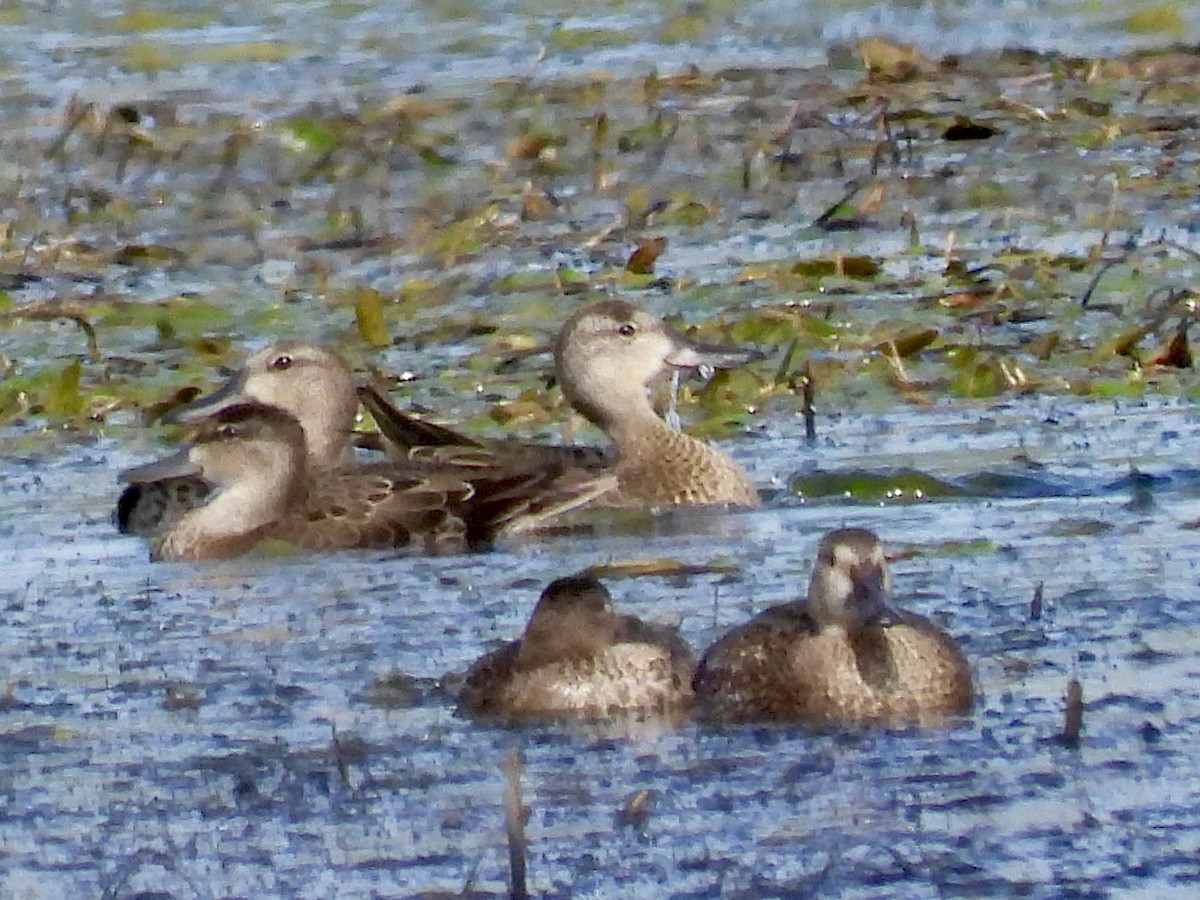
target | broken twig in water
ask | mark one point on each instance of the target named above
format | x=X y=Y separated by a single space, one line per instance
x=1073 y=726
x=49 y=310
x=806 y=408
x=1035 y=605
x=514 y=824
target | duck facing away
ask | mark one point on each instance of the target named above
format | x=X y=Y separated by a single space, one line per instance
x=606 y=355
x=255 y=458
x=579 y=659
x=841 y=656
x=309 y=381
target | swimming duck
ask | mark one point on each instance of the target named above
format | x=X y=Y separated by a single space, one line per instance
x=309 y=381
x=606 y=354
x=843 y=655
x=255 y=458
x=578 y=658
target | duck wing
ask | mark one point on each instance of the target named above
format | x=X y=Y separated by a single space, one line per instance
x=379 y=506
x=683 y=661
x=484 y=687
x=744 y=674
x=145 y=508
x=413 y=440
x=508 y=501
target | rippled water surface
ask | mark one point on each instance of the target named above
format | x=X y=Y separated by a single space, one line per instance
x=218 y=730
x=241 y=788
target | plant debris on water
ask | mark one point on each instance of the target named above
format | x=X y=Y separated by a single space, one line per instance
x=907 y=227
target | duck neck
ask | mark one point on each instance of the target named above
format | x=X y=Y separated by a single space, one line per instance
x=235 y=515
x=629 y=422
x=327 y=448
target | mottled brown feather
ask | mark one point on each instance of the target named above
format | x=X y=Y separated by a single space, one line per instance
x=268 y=494
x=785 y=664
x=579 y=659
x=605 y=356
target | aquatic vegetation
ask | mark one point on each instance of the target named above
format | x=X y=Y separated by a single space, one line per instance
x=921 y=226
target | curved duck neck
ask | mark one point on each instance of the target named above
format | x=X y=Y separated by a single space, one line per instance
x=236 y=513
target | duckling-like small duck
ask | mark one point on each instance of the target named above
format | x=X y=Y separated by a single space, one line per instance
x=580 y=659
x=255 y=458
x=843 y=655
x=310 y=381
x=606 y=355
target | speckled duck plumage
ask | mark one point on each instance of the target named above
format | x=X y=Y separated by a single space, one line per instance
x=606 y=354
x=843 y=655
x=309 y=381
x=579 y=659
x=254 y=457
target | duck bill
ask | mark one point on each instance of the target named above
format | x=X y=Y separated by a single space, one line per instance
x=688 y=354
x=870 y=594
x=229 y=394
x=178 y=466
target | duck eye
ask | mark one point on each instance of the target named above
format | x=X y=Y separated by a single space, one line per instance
x=627 y=330
x=227 y=431
x=283 y=361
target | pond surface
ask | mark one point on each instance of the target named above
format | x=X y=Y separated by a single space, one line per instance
x=221 y=730
x=238 y=788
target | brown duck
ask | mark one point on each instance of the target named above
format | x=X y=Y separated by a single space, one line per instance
x=579 y=659
x=606 y=355
x=254 y=457
x=309 y=381
x=843 y=655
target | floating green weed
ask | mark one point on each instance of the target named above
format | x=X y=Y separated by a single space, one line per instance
x=990 y=193
x=144 y=56
x=565 y=40
x=251 y=51
x=1160 y=18
x=157 y=19
x=310 y=135
x=519 y=199
x=63 y=399
x=897 y=485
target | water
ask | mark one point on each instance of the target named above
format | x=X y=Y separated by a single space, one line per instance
x=215 y=730
x=239 y=787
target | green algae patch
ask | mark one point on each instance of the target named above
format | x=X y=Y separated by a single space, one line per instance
x=156 y=19
x=951 y=547
x=250 y=51
x=145 y=56
x=562 y=39
x=1161 y=19
x=306 y=134
x=889 y=485
x=63 y=398
x=964 y=548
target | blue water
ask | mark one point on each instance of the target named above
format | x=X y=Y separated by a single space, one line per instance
x=238 y=789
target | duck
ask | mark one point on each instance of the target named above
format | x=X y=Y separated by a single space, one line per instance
x=607 y=353
x=254 y=456
x=844 y=655
x=579 y=659
x=310 y=381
